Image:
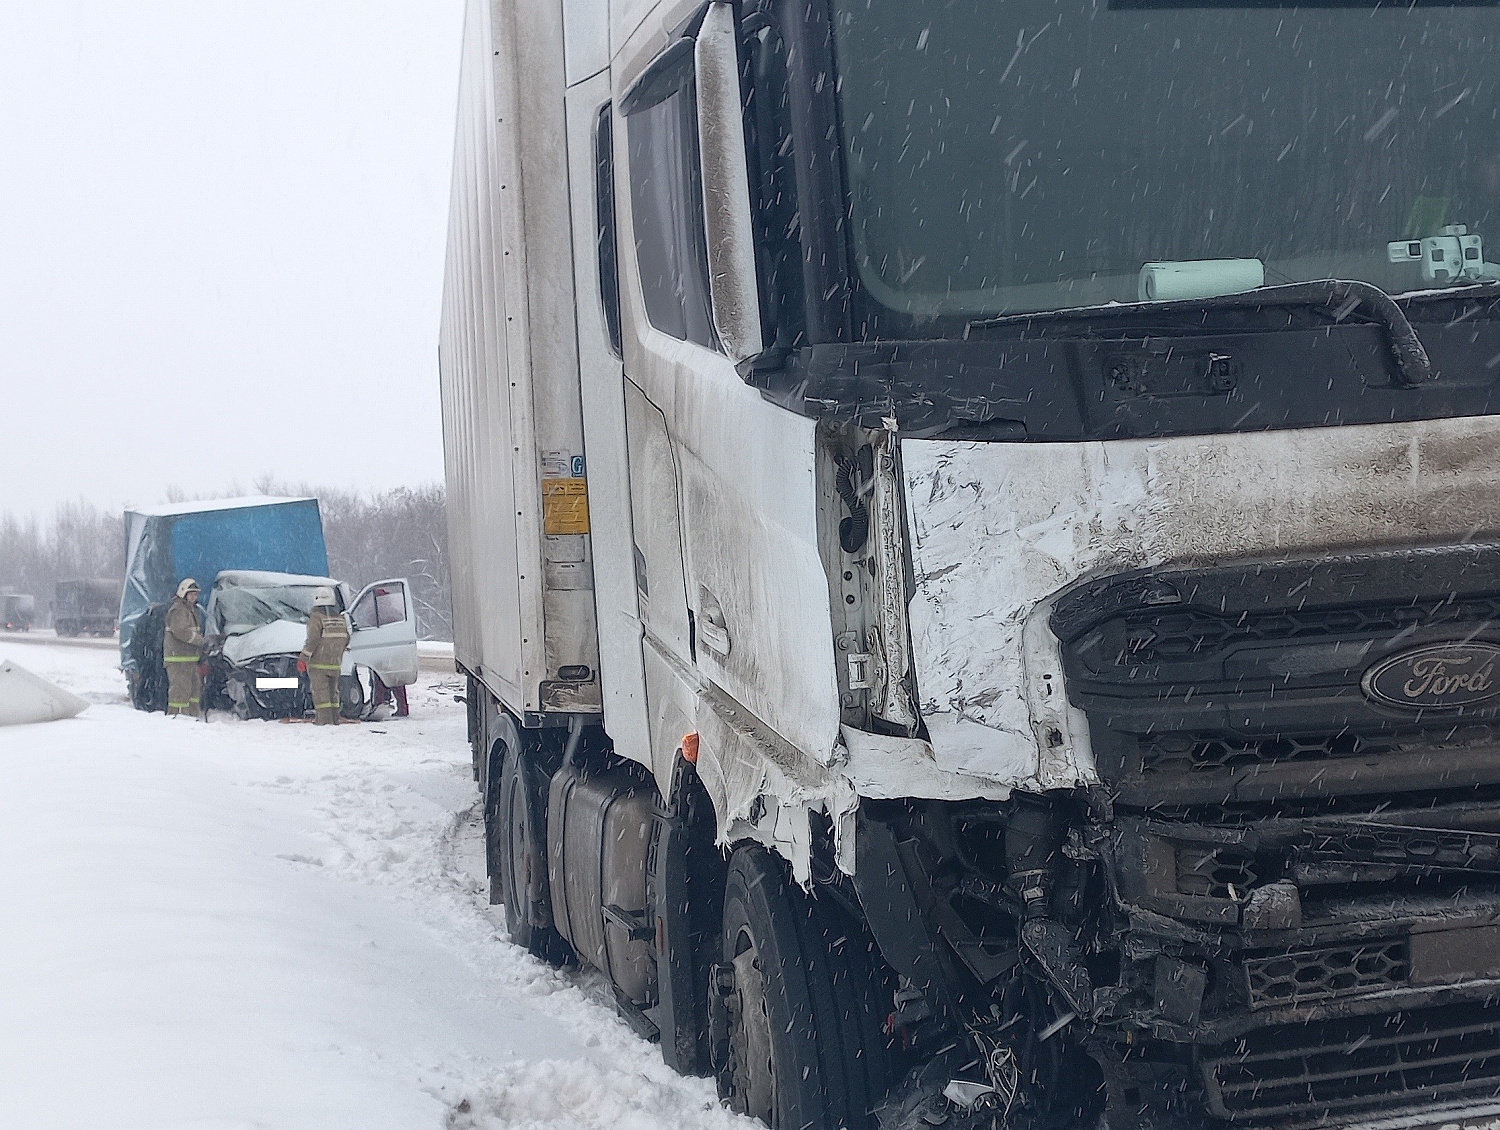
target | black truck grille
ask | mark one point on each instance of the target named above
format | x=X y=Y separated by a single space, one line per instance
x=1310 y=1072
x=1198 y=753
x=1171 y=636
x=1243 y=683
x=1323 y=974
x=1207 y=753
x=1209 y=872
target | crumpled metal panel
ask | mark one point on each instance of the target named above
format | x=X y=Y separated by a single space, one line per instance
x=998 y=528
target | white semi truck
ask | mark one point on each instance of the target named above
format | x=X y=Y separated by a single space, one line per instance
x=976 y=546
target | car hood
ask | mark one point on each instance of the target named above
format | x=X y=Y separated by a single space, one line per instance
x=281 y=637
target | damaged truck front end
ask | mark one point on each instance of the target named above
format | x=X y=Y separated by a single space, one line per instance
x=1128 y=975
x=1190 y=582
x=1249 y=872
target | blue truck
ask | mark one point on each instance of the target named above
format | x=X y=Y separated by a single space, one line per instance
x=164 y=544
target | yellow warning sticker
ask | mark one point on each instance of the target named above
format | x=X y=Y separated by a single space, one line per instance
x=565 y=506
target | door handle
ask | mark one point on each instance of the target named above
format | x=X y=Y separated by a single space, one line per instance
x=713 y=628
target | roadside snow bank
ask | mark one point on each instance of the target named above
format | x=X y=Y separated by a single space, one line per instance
x=280 y=927
x=571 y=1095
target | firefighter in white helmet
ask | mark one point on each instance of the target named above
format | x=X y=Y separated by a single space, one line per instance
x=323 y=655
x=182 y=651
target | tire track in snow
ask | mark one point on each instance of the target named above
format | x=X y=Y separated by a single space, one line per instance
x=414 y=827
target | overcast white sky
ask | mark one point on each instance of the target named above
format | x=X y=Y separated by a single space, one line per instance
x=221 y=243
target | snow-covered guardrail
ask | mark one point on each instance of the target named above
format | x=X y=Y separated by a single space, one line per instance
x=51 y=638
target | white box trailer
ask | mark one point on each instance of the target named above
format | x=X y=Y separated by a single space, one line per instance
x=927 y=672
x=522 y=558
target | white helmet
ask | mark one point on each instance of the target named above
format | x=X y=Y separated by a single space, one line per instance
x=188 y=585
x=323 y=597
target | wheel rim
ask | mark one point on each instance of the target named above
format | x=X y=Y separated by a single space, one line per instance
x=752 y=1076
x=520 y=856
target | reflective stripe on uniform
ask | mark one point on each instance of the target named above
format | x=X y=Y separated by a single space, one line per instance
x=180 y=658
x=326 y=666
x=324 y=705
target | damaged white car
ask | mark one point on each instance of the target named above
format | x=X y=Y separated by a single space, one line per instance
x=258 y=623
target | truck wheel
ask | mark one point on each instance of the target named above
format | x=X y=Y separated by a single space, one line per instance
x=351 y=696
x=515 y=840
x=800 y=994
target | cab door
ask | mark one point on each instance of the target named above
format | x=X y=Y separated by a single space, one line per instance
x=383 y=632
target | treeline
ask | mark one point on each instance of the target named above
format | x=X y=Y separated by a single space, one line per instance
x=394 y=533
x=78 y=540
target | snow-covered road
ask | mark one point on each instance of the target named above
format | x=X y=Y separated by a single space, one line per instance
x=256 y=925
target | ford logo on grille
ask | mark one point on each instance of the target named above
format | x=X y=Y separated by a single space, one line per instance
x=1442 y=676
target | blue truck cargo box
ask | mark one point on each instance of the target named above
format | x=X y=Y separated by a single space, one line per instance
x=164 y=544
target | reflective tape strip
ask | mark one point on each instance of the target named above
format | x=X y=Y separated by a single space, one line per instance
x=177 y=706
x=325 y=706
x=180 y=658
x=326 y=666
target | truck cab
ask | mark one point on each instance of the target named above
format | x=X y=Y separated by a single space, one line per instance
x=86 y=606
x=975 y=533
x=17 y=611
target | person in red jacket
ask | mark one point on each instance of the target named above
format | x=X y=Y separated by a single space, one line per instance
x=380 y=694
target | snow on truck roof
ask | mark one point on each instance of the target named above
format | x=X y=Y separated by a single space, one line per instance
x=260 y=578
x=172 y=509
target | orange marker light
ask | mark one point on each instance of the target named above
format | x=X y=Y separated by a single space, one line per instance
x=690 y=748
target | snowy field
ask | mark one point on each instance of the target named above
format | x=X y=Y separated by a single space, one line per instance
x=262 y=926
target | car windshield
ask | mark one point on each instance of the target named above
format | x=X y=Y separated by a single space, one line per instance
x=1040 y=154
x=237 y=609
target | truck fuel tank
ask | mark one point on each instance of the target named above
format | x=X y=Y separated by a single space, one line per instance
x=598 y=835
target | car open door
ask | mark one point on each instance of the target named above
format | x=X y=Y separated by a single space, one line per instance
x=383 y=632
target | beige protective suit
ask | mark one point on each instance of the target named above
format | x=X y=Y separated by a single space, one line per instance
x=182 y=651
x=327 y=640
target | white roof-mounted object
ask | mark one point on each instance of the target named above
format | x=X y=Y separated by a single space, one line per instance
x=25 y=697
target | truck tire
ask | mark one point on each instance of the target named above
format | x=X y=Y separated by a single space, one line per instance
x=516 y=851
x=351 y=697
x=801 y=995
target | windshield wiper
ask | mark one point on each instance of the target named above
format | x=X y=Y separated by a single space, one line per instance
x=1343 y=297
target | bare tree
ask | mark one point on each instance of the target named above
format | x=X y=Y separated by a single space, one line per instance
x=78 y=540
x=396 y=533
x=386 y=534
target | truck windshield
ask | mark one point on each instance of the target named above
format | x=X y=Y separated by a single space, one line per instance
x=1036 y=154
x=238 y=609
